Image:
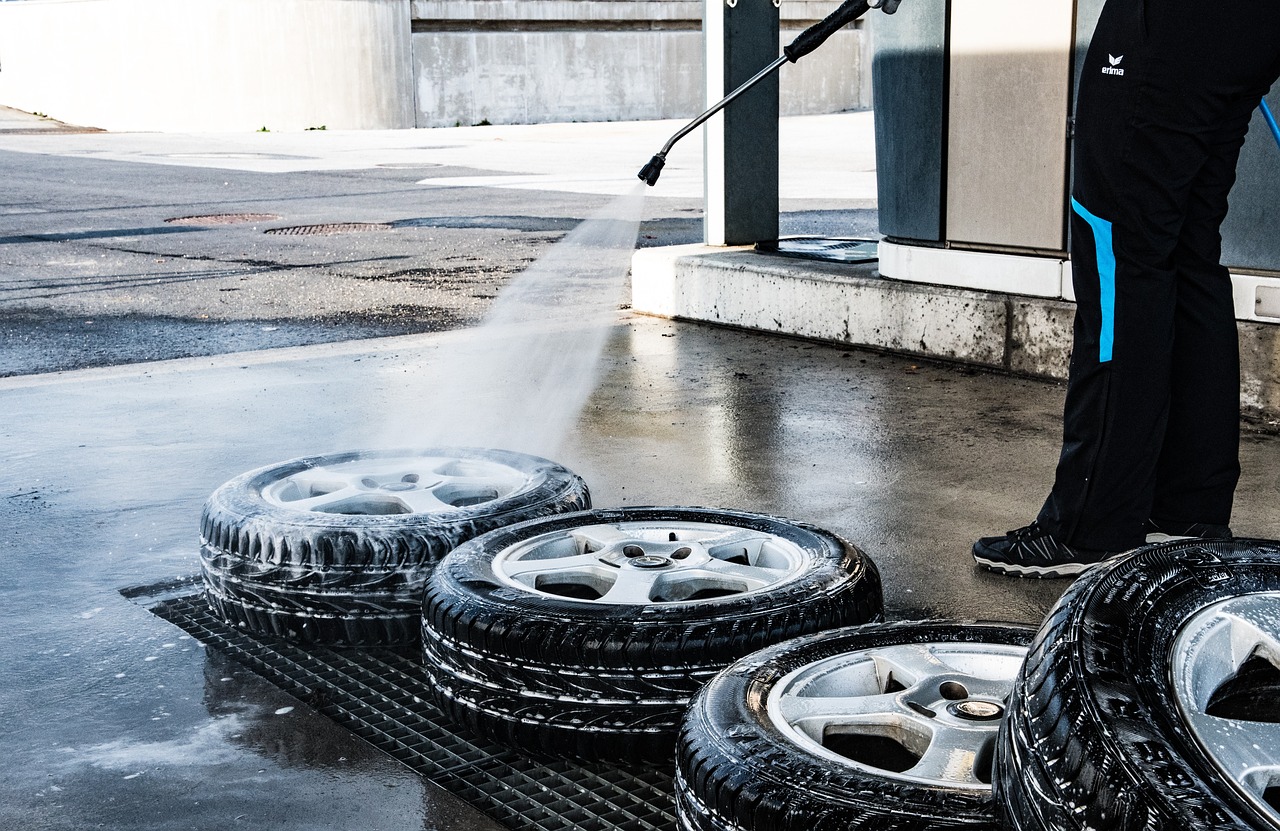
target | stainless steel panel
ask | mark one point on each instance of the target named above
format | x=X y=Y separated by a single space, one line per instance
x=909 y=77
x=1009 y=94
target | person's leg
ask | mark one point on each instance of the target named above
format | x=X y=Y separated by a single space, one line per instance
x=1199 y=460
x=1127 y=201
x=1123 y=325
x=1142 y=142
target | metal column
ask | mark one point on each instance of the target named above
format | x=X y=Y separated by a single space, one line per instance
x=741 y=142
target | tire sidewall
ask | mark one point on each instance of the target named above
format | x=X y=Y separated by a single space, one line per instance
x=1175 y=582
x=470 y=613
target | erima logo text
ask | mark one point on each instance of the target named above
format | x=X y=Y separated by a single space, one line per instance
x=1114 y=68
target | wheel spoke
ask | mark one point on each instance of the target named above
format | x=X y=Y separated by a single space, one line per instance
x=599 y=537
x=526 y=570
x=421 y=501
x=632 y=586
x=1240 y=747
x=821 y=711
x=916 y=661
x=323 y=478
x=755 y=577
x=326 y=500
x=502 y=484
x=989 y=689
x=1252 y=632
x=1217 y=652
x=741 y=539
x=951 y=755
x=367 y=469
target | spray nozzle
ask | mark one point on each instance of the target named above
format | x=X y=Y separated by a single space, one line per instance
x=651 y=171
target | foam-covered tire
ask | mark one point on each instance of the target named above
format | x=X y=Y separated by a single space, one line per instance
x=352 y=619
x=887 y=726
x=680 y=593
x=335 y=549
x=1151 y=686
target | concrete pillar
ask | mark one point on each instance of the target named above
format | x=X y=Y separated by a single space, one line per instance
x=742 y=141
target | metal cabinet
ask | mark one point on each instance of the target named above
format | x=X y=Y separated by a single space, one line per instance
x=973 y=99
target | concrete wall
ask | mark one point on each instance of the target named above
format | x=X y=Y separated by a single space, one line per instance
x=529 y=61
x=197 y=65
x=234 y=65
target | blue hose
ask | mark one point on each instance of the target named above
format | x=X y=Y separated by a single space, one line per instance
x=1271 y=120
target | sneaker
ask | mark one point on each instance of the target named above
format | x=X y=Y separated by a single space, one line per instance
x=1159 y=530
x=1034 y=552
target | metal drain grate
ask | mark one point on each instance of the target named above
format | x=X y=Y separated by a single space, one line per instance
x=831 y=249
x=221 y=219
x=380 y=696
x=330 y=228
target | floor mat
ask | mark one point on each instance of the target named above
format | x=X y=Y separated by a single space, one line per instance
x=380 y=695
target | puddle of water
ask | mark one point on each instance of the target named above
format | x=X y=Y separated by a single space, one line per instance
x=520 y=382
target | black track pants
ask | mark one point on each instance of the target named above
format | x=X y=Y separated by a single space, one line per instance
x=1151 y=426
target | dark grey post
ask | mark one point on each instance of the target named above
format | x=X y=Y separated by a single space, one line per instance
x=741 y=161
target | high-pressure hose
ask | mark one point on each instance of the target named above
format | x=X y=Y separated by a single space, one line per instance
x=808 y=40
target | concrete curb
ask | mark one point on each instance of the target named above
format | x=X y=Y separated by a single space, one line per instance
x=856 y=305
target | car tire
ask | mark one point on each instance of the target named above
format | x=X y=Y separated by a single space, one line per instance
x=335 y=549
x=625 y=611
x=1151 y=686
x=888 y=726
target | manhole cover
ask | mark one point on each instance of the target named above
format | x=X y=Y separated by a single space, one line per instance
x=330 y=228
x=221 y=219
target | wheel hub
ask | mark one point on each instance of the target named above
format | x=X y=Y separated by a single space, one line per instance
x=976 y=710
x=651 y=561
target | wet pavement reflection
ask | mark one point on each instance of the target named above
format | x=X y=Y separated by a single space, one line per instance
x=116 y=719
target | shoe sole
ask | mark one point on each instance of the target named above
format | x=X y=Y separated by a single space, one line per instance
x=1160 y=536
x=1038 y=572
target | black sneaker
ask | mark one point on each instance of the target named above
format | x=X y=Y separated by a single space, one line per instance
x=1159 y=530
x=1034 y=552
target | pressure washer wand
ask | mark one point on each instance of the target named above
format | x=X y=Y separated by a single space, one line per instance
x=808 y=40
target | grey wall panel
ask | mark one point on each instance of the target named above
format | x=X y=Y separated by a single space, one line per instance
x=1251 y=234
x=909 y=90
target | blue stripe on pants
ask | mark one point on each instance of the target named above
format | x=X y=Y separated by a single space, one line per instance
x=1106 y=278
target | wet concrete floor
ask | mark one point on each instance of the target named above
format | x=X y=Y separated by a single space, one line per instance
x=114 y=719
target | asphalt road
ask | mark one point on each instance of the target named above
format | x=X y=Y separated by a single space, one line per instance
x=102 y=262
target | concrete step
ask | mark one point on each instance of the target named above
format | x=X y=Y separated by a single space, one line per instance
x=856 y=305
